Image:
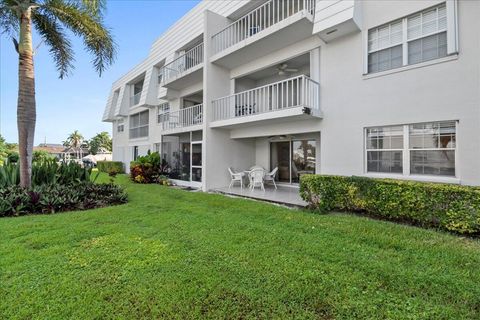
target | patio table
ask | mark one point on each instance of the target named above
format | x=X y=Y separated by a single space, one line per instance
x=247 y=173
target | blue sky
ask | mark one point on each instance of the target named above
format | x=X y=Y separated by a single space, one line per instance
x=77 y=102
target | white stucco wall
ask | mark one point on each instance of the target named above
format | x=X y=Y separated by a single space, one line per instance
x=444 y=89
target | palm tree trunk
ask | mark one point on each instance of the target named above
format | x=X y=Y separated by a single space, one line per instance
x=26 y=109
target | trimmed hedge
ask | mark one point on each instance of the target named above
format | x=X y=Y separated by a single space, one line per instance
x=451 y=207
x=108 y=166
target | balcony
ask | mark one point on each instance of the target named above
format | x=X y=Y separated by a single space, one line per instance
x=279 y=22
x=135 y=99
x=297 y=97
x=184 y=70
x=185 y=119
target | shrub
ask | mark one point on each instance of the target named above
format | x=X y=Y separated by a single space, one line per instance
x=450 y=207
x=148 y=169
x=41 y=156
x=13 y=157
x=45 y=172
x=107 y=166
x=152 y=158
x=53 y=198
x=164 y=180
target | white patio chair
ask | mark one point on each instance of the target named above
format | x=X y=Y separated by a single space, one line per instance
x=256 y=179
x=270 y=177
x=235 y=176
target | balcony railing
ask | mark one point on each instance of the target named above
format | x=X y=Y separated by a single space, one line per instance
x=299 y=91
x=263 y=17
x=135 y=99
x=186 y=61
x=182 y=118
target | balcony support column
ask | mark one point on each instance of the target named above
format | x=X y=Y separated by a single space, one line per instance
x=216 y=83
x=315 y=64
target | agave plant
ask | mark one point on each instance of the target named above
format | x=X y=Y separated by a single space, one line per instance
x=9 y=175
x=47 y=172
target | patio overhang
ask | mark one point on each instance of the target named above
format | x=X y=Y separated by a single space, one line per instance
x=287 y=32
x=279 y=116
x=185 y=79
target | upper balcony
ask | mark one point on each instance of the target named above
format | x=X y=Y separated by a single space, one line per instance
x=185 y=119
x=278 y=23
x=184 y=70
x=135 y=99
x=136 y=92
x=297 y=97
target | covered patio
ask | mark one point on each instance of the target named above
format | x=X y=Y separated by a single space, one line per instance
x=285 y=195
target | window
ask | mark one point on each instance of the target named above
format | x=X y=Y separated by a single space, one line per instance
x=416 y=149
x=120 y=126
x=135 y=153
x=432 y=148
x=163 y=112
x=385 y=149
x=385 y=47
x=417 y=38
x=139 y=125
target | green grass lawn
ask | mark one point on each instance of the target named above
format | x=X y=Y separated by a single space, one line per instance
x=177 y=254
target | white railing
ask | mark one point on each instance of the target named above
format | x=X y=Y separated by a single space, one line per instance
x=185 y=117
x=186 y=61
x=299 y=91
x=135 y=99
x=261 y=18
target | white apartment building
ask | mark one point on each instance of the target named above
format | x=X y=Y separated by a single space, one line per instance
x=343 y=87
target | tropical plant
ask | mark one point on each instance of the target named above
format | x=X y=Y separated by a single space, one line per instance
x=100 y=142
x=52 y=198
x=9 y=175
x=45 y=172
x=148 y=168
x=51 y=19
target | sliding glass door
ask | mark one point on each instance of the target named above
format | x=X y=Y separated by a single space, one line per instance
x=293 y=158
x=303 y=158
x=197 y=161
x=280 y=157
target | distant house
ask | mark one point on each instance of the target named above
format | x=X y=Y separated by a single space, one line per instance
x=71 y=153
x=61 y=152
x=54 y=149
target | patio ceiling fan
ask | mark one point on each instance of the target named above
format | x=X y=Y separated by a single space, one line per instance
x=283 y=69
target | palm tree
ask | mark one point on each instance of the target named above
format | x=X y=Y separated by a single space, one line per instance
x=50 y=18
x=100 y=142
x=75 y=142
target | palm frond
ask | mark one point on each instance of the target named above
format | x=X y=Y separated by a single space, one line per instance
x=9 y=23
x=97 y=38
x=95 y=7
x=55 y=37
